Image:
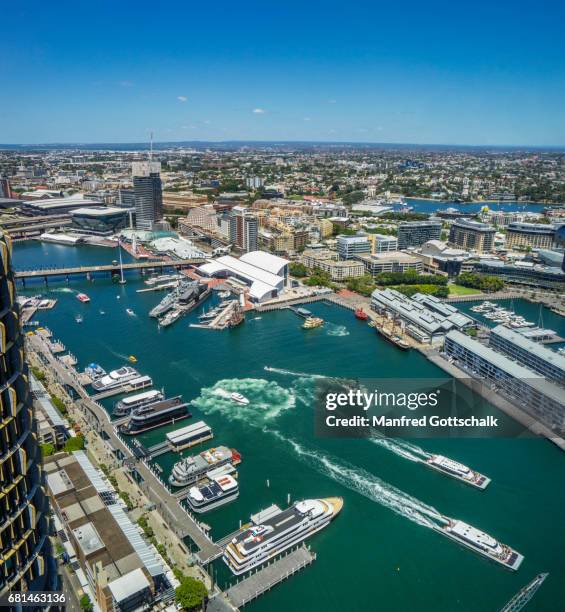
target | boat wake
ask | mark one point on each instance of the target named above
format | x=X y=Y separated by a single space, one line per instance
x=291 y=373
x=336 y=330
x=62 y=290
x=267 y=400
x=400 y=447
x=367 y=484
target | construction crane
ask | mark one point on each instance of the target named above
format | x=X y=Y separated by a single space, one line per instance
x=524 y=595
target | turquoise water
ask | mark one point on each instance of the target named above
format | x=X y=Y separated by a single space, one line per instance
x=379 y=553
x=430 y=206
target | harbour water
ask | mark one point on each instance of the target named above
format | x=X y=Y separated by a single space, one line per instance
x=431 y=206
x=380 y=552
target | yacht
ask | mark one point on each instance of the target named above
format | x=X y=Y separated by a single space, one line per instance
x=457 y=470
x=239 y=399
x=480 y=542
x=95 y=371
x=212 y=493
x=156 y=414
x=191 y=469
x=164 y=305
x=274 y=531
x=125 y=406
x=170 y=318
x=115 y=379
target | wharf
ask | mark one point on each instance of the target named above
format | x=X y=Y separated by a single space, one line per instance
x=263 y=580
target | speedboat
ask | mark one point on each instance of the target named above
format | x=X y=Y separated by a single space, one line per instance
x=238 y=398
x=82 y=297
x=130 y=312
x=133 y=358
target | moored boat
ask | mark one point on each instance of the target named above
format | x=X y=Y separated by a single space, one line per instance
x=361 y=314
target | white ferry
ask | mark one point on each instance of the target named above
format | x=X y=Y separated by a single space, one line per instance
x=115 y=379
x=214 y=492
x=191 y=469
x=457 y=470
x=239 y=399
x=125 y=406
x=276 y=530
x=480 y=542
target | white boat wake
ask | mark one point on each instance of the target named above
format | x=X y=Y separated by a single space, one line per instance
x=291 y=373
x=400 y=447
x=367 y=484
x=336 y=330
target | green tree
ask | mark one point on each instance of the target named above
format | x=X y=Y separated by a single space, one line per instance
x=85 y=603
x=298 y=269
x=74 y=444
x=47 y=449
x=191 y=593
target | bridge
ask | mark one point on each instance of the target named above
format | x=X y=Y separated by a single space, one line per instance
x=112 y=268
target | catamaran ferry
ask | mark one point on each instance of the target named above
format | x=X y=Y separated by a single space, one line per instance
x=276 y=530
x=457 y=470
x=156 y=414
x=480 y=542
x=125 y=406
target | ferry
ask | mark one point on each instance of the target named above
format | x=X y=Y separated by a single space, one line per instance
x=115 y=379
x=274 y=531
x=155 y=415
x=480 y=542
x=239 y=399
x=82 y=297
x=312 y=323
x=361 y=314
x=191 y=469
x=457 y=470
x=214 y=492
x=125 y=406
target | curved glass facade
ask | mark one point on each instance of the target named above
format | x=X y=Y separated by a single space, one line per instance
x=25 y=559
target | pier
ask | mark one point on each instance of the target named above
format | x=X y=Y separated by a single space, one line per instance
x=265 y=579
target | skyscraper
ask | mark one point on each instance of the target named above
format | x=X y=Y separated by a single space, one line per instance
x=25 y=562
x=5 y=189
x=243 y=229
x=148 y=194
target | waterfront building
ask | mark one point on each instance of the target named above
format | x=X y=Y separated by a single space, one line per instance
x=416 y=233
x=532 y=235
x=264 y=273
x=26 y=563
x=530 y=391
x=327 y=261
x=243 y=229
x=381 y=243
x=114 y=565
x=394 y=261
x=99 y=220
x=523 y=273
x=472 y=235
x=349 y=247
x=57 y=206
x=532 y=354
x=148 y=194
x=417 y=317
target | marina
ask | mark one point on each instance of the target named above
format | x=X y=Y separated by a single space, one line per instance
x=271 y=338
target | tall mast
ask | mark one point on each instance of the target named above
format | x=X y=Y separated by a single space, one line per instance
x=122 y=279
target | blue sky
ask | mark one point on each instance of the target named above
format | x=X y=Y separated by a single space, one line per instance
x=486 y=73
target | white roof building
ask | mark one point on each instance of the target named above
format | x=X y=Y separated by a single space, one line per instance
x=267 y=261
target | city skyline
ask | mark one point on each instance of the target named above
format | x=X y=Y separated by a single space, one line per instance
x=414 y=74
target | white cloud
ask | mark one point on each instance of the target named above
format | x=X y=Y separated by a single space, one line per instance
x=307 y=119
x=182 y=98
x=259 y=111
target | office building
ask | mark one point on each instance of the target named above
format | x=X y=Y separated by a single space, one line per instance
x=243 y=229
x=415 y=233
x=148 y=194
x=126 y=198
x=530 y=235
x=114 y=565
x=26 y=562
x=350 y=246
x=327 y=261
x=524 y=387
x=472 y=235
x=422 y=320
x=5 y=189
x=523 y=273
x=532 y=354
x=382 y=243
x=394 y=261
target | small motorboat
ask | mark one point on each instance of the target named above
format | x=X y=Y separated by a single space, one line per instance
x=239 y=399
x=133 y=358
x=361 y=314
x=82 y=297
x=130 y=312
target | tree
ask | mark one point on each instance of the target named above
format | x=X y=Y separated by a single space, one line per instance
x=298 y=269
x=74 y=444
x=191 y=593
x=47 y=449
x=85 y=603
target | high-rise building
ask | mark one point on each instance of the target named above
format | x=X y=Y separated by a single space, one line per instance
x=26 y=561
x=472 y=235
x=532 y=235
x=5 y=189
x=350 y=246
x=416 y=233
x=243 y=229
x=148 y=194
